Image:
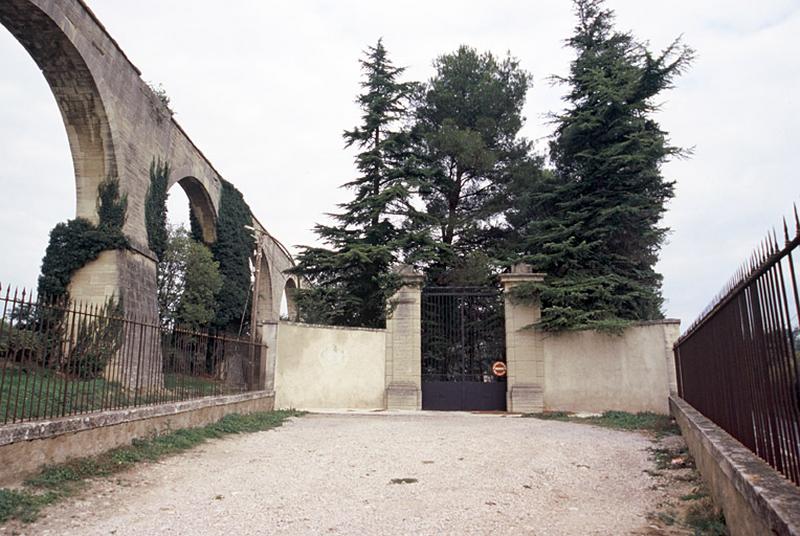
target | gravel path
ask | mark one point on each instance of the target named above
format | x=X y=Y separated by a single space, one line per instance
x=333 y=474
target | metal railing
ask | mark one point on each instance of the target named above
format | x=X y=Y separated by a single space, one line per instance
x=738 y=363
x=60 y=358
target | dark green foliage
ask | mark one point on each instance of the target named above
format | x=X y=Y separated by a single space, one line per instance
x=111 y=206
x=232 y=250
x=77 y=242
x=352 y=277
x=593 y=225
x=155 y=208
x=96 y=341
x=188 y=282
x=57 y=482
x=195 y=229
x=467 y=121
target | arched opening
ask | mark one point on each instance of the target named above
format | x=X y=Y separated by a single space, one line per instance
x=76 y=94
x=36 y=173
x=201 y=208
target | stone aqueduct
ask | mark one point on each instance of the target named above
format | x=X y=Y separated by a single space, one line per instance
x=116 y=126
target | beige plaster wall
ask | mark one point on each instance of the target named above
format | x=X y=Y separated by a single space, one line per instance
x=587 y=371
x=324 y=367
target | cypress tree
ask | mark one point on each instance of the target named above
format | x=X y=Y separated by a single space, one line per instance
x=232 y=250
x=352 y=276
x=155 y=208
x=593 y=226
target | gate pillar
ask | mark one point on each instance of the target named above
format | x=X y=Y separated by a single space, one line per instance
x=404 y=344
x=524 y=349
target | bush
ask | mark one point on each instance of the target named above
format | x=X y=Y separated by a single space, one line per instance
x=19 y=345
x=98 y=340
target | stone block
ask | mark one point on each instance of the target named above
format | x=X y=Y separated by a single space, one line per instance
x=403 y=395
x=525 y=398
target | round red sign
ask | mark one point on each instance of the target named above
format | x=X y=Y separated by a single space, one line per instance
x=499 y=368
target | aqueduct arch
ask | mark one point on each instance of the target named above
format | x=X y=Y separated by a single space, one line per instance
x=117 y=126
x=201 y=205
x=77 y=96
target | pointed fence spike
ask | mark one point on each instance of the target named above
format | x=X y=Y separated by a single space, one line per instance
x=796 y=219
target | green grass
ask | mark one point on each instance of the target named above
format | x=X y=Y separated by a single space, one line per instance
x=57 y=482
x=196 y=385
x=659 y=424
x=705 y=519
x=41 y=393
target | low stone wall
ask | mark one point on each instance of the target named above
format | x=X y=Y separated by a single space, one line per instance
x=587 y=371
x=755 y=498
x=330 y=367
x=26 y=447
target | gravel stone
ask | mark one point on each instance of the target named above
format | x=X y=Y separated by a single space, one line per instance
x=382 y=473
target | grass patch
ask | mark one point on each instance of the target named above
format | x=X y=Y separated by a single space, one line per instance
x=705 y=519
x=40 y=393
x=661 y=425
x=56 y=482
x=696 y=495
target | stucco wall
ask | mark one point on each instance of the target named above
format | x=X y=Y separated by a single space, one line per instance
x=323 y=367
x=587 y=371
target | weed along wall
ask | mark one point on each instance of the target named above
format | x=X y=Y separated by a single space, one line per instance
x=594 y=372
x=26 y=447
x=327 y=367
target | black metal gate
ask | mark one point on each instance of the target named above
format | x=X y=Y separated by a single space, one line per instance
x=463 y=336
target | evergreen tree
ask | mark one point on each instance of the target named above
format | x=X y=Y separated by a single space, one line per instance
x=468 y=119
x=593 y=225
x=352 y=277
x=188 y=281
x=232 y=250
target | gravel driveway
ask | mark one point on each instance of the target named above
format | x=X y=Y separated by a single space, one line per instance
x=445 y=473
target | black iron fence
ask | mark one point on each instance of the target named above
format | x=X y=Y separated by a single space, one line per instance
x=738 y=363
x=60 y=358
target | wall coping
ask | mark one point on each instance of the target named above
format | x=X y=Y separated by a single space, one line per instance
x=325 y=326
x=28 y=431
x=773 y=498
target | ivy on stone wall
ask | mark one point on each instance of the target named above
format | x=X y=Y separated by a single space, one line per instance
x=155 y=208
x=76 y=242
x=233 y=249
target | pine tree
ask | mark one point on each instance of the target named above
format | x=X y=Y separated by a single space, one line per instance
x=468 y=119
x=352 y=277
x=593 y=225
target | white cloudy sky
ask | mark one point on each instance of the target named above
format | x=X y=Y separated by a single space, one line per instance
x=266 y=88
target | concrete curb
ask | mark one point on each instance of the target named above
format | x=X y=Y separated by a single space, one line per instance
x=27 y=431
x=755 y=498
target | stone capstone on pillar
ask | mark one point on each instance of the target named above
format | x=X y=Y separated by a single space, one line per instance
x=524 y=348
x=404 y=344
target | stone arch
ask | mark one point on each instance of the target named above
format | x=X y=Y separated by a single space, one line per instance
x=289 y=290
x=76 y=93
x=201 y=205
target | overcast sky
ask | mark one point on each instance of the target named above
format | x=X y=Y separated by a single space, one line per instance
x=266 y=88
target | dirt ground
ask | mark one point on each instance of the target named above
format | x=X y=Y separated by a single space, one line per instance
x=385 y=473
